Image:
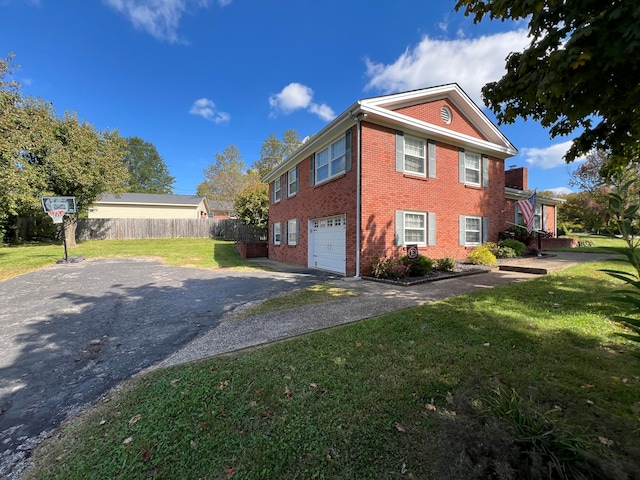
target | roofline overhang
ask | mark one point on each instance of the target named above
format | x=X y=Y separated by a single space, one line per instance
x=371 y=110
x=515 y=194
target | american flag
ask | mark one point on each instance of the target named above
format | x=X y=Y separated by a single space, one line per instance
x=528 y=209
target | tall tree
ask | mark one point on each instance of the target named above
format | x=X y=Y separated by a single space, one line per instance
x=580 y=73
x=147 y=171
x=274 y=150
x=43 y=155
x=225 y=178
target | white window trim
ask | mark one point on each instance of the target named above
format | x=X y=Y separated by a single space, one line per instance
x=331 y=160
x=277 y=233
x=479 y=169
x=423 y=158
x=292 y=229
x=479 y=242
x=292 y=186
x=277 y=190
x=423 y=229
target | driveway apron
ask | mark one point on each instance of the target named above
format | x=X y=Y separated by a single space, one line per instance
x=71 y=332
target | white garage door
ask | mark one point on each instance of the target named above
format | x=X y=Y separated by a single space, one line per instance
x=327 y=244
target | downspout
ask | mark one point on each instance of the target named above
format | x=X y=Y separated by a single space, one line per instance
x=358 y=194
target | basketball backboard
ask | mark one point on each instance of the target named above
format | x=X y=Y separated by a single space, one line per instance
x=68 y=204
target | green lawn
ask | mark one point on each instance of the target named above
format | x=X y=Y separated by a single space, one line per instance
x=186 y=252
x=462 y=388
x=600 y=243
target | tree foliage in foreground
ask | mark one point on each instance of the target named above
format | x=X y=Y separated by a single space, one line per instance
x=580 y=72
x=42 y=154
x=147 y=171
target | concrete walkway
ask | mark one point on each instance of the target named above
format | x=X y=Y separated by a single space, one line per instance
x=374 y=299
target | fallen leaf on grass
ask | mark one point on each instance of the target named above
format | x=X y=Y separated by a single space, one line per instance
x=487 y=344
x=174 y=382
x=146 y=455
x=229 y=472
x=399 y=427
x=222 y=385
x=313 y=385
x=192 y=444
x=127 y=440
x=586 y=385
x=287 y=392
x=606 y=441
x=287 y=376
x=103 y=421
x=134 y=419
x=431 y=406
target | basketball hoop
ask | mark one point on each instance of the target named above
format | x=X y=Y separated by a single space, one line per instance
x=56 y=215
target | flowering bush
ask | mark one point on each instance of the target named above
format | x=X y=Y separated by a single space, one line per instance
x=420 y=266
x=389 y=268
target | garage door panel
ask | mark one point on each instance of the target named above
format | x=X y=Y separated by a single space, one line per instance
x=329 y=244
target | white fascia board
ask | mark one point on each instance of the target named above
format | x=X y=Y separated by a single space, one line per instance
x=459 y=98
x=439 y=133
x=313 y=143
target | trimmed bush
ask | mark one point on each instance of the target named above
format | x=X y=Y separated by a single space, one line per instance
x=506 y=252
x=482 y=256
x=446 y=264
x=420 y=267
x=514 y=244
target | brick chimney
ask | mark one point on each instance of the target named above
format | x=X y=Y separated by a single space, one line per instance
x=517 y=178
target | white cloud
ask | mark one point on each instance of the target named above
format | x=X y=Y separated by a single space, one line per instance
x=470 y=62
x=159 y=18
x=296 y=96
x=549 y=157
x=560 y=190
x=207 y=110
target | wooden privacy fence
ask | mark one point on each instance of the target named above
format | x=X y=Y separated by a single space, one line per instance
x=137 y=228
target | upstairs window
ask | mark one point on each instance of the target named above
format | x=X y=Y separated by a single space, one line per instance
x=277 y=190
x=292 y=187
x=473 y=169
x=414 y=155
x=331 y=161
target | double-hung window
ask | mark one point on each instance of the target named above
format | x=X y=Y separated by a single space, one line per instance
x=414 y=155
x=292 y=182
x=277 y=233
x=331 y=160
x=474 y=169
x=474 y=230
x=415 y=228
x=292 y=232
x=277 y=190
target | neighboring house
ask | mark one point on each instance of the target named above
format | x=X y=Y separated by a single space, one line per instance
x=424 y=167
x=516 y=189
x=220 y=209
x=149 y=205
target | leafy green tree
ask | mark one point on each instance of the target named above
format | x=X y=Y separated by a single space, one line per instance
x=43 y=155
x=252 y=204
x=147 y=171
x=274 y=150
x=583 y=210
x=581 y=67
x=225 y=178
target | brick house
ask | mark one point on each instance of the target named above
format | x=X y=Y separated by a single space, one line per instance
x=424 y=167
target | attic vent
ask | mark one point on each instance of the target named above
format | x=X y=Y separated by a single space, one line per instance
x=446 y=115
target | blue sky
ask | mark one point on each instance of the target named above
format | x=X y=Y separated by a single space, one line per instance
x=195 y=76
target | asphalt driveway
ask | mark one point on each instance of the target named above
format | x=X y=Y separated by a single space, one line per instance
x=69 y=333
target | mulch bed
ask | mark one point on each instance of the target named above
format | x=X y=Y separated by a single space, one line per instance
x=462 y=270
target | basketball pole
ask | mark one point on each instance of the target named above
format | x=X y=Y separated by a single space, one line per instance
x=64 y=240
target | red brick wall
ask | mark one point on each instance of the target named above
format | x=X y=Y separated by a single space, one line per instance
x=517 y=178
x=334 y=197
x=384 y=191
x=430 y=112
